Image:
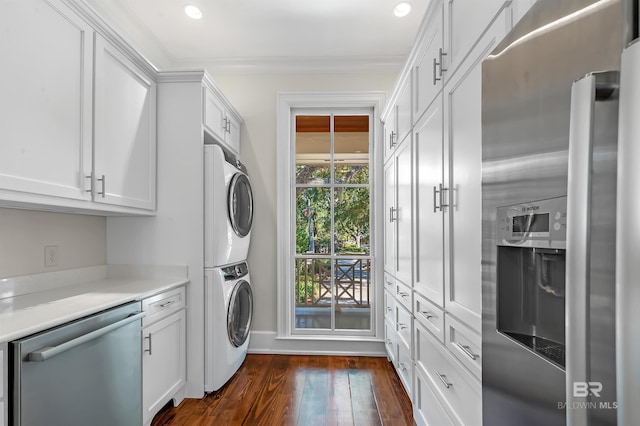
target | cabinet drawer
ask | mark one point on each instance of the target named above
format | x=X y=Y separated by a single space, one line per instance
x=404 y=325
x=427 y=410
x=430 y=315
x=403 y=295
x=390 y=342
x=405 y=369
x=459 y=391
x=163 y=304
x=389 y=283
x=390 y=308
x=464 y=344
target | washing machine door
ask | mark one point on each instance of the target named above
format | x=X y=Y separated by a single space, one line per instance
x=240 y=200
x=240 y=313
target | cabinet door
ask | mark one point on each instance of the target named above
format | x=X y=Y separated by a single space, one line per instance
x=465 y=21
x=427 y=72
x=45 y=106
x=390 y=215
x=463 y=144
x=214 y=115
x=404 y=232
x=163 y=362
x=390 y=133
x=429 y=278
x=125 y=131
x=232 y=137
x=404 y=117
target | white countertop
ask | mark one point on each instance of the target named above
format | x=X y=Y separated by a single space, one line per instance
x=34 y=303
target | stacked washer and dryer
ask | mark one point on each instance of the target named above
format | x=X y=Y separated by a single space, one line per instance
x=228 y=211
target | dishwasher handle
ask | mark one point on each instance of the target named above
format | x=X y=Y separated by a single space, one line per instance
x=47 y=352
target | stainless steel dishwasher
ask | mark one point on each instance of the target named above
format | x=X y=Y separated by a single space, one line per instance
x=87 y=372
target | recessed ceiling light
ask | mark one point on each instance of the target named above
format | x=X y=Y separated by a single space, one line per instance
x=402 y=9
x=194 y=12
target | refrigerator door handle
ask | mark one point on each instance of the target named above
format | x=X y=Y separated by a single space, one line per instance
x=584 y=94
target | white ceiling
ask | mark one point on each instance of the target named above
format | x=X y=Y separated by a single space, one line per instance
x=262 y=35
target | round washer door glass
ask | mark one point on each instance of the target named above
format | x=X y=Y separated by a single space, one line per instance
x=240 y=313
x=240 y=204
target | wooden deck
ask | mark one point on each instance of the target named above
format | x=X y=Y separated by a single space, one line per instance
x=301 y=390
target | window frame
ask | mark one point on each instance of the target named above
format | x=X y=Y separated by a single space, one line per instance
x=334 y=102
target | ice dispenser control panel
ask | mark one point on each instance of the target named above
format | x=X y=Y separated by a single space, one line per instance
x=541 y=223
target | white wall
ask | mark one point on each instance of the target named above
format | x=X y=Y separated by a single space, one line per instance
x=81 y=241
x=255 y=97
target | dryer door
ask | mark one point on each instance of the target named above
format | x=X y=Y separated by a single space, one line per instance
x=240 y=313
x=240 y=199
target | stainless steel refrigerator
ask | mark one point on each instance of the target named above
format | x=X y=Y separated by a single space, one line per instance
x=550 y=104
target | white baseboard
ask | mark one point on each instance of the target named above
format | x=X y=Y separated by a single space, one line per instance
x=265 y=342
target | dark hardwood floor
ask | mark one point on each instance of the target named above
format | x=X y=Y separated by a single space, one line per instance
x=301 y=390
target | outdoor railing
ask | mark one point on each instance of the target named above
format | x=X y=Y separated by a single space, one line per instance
x=313 y=283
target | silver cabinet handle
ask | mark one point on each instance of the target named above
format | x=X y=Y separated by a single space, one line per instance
x=441 y=54
x=402 y=326
x=438 y=194
x=90 y=177
x=392 y=139
x=389 y=309
x=584 y=94
x=388 y=282
x=427 y=314
x=47 y=352
x=103 y=179
x=148 y=338
x=392 y=214
x=403 y=294
x=443 y=379
x=389 y=342
x=402 y=366
x=467 y=351
x=435 y=66
x=165 y=304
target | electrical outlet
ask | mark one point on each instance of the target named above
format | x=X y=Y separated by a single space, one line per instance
x=51 y=254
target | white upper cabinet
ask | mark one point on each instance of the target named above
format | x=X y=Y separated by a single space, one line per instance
x=390 y=207
x=428 y=70
x=221 y=120
x=430 y=196
x=125 y=130
x=77 y=116
x=390 y=133
x=463 y=177
x=465 y=22
x=404 y=119
x=45 y=106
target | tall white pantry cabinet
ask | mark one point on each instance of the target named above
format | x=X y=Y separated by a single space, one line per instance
x=433 y=157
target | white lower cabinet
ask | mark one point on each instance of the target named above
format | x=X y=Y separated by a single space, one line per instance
x=457 y=389
x=163 y=352
x=465 y=344
x=427 y=410
x=405 y=368
x=390 y=342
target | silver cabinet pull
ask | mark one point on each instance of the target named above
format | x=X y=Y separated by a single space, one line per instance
x=443 y=379
x=149 y=339
x=402 y=366
x=392 y=139
x=47 y=352
x=441 y=54
x=435 y=66
x=402 y=325
x=467 y=351
x=427 y=314
x=389 y=309
x=389 y=342
x=103 y=179
x=388 y=282
x=438 y=194
x=90 y=177
x=403 y=294
x=165 y=304
x=392 y=214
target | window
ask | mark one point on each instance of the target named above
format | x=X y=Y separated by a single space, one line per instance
x=327 y=264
